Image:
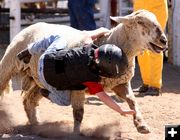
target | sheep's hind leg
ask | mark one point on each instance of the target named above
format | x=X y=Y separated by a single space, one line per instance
x=30 y=102
x=77 y=101
x=125 y=92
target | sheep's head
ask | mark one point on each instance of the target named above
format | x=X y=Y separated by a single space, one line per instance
x=146 y=30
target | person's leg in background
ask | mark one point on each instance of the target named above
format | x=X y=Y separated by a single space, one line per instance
x=85 y=15
x=156 y=66
x=83 y=12
x=151 y=64
x=72 y=8
x=156 y=62
x=144 y=65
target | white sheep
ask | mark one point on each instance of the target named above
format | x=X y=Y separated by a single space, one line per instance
x=134 y=34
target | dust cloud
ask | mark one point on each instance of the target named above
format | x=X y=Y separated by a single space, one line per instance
x=6 y=125
x=56 y=130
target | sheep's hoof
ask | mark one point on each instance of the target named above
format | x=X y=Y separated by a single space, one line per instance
x=143 y=129
x=141 y=125
x=76 y=132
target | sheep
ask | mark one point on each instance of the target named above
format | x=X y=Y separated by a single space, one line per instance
x=135 y=33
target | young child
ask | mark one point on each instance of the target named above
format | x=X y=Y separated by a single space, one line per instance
x=62 y=69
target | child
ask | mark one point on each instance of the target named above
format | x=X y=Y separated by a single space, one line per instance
x=62 y=69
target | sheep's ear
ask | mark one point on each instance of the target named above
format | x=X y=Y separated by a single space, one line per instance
x=120 y=19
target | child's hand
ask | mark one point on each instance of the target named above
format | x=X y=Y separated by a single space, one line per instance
x=99 y=32
x=94 y=34
x=127 y=112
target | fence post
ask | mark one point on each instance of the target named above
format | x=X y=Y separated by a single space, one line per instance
x=15 y=18
x=105 y=9
x=170 y=31
x=176 y=33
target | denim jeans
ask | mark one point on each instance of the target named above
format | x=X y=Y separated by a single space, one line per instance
x=60 y=97
x=82 y=14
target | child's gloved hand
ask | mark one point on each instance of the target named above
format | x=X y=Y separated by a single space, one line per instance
x=24 y=56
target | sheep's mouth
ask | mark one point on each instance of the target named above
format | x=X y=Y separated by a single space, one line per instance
x=157 y=48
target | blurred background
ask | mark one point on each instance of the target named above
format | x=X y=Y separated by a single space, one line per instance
x=18 y=14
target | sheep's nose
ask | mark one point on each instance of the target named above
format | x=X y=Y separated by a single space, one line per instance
x=163 y=39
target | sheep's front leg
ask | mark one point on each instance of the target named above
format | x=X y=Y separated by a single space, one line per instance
x=125 y=92
x=77 y=101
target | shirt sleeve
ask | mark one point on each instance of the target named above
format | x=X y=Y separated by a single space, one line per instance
x=49 y=43
x=93 y=87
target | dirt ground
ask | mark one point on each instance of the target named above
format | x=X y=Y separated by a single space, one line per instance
x=100 y=122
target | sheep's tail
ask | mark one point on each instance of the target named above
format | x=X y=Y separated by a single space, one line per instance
x=7 y=70
x=8 y=88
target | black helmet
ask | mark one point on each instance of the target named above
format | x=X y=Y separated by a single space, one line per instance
x=111 y=61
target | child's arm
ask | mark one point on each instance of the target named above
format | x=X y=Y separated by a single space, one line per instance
x=98 y=32
x=94 y=34
x=110 y=103
x=97 y=89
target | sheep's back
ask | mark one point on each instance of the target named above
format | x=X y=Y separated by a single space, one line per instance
x=36 y=32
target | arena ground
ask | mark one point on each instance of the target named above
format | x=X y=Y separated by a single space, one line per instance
x=100 y=122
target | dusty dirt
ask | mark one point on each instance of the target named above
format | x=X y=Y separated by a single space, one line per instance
x=99 y=121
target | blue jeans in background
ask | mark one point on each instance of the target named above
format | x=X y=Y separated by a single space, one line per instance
x=82 y=14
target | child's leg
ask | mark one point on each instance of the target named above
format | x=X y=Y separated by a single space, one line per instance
x=62 y=98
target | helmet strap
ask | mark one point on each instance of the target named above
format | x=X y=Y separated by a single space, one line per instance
x=93 y=65
x=96 y=55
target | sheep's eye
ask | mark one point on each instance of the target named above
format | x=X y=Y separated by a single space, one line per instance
x=158 y=31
